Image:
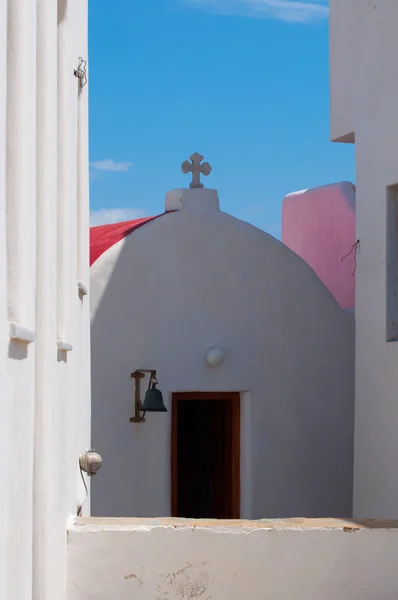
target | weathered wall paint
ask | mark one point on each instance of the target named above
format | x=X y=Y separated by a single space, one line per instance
x=171 y=559
x=198 y=278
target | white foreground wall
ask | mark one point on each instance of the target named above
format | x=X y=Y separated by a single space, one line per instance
x=364 y=100
x=198 y=278
x=304 y=560
x=5 y=433
x=44 y=351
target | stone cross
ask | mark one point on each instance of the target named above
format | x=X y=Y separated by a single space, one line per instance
x=196 y=168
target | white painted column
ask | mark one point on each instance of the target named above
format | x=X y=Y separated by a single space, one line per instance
x=66 y=267
x=5 y=436
x=83 y=392
x=48 y=529
x=83 y=216
x=70 y=377
x=21 y=259
x=67 y=125
x=21 y=162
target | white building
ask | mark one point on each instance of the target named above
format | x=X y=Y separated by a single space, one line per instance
x=44 y=316
x=364 y=100
x=268 y=431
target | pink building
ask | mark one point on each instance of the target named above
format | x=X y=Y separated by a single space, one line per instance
x=319 y=225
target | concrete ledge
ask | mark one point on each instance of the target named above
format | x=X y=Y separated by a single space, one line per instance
x=82 y=289
x=94 y=524
x=21 y=333
x=304 y=559
x=64 y=346
x=348 y=138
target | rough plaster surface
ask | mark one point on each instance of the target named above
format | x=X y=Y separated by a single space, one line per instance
x=198 y=278
x=157 y=559
x=364 y=97
x=319 y=225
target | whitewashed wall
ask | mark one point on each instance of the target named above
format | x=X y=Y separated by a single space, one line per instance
x=21 y=269
x=5 y=433
x=44 y=377
x=198 y=278
x=364 y=100
x=304 y=560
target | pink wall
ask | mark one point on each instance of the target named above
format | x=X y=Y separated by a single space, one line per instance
x=319 y=225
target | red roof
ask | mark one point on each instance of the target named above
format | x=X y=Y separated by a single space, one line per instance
x=103 y=237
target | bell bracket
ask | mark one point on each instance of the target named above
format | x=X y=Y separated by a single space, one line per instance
x=137 y=376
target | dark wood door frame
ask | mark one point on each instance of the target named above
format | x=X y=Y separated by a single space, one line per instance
x=234 y=398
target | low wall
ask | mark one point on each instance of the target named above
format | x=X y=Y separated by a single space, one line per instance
x=149 y=559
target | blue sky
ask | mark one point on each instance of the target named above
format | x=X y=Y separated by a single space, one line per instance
x=243 y=82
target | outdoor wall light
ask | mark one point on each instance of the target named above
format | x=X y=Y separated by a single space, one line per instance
x=153 y=401
x=90 y=462
x=215 y=357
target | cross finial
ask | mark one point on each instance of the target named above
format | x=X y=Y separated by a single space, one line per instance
x=196 y=168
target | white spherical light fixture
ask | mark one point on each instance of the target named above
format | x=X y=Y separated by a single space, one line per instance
x=215 y=357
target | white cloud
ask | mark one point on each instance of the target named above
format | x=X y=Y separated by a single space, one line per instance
x=111 y=165
x=298 y=11
x=107 y=216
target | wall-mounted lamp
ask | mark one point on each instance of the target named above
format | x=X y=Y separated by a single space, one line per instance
x=153 y=401
x=90 y=462
x=215 y=356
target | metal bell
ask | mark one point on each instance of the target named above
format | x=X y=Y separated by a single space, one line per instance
x=153 y=401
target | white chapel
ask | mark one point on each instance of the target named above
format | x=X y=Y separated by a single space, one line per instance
x=254 y=357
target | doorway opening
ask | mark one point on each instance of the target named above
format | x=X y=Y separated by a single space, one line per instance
x=205 y=455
